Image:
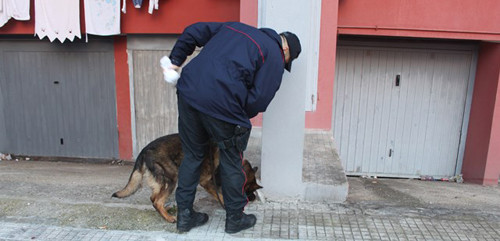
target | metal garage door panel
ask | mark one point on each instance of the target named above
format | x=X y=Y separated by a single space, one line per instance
x=59 y=100
x=155 y=101
x=407 y=130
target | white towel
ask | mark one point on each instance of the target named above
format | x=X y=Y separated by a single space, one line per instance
x=19 y=9
x=57 y=19
x=4 y=15
x=102 y=17
x=169 y=74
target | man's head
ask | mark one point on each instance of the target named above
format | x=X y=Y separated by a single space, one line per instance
x=291 y=48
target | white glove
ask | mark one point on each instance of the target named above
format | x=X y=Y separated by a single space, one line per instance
x=169 y=73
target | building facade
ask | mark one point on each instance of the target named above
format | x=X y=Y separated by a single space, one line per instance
x=408 y=88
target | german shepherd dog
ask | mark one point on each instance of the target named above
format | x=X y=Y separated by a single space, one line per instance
x=159 y=164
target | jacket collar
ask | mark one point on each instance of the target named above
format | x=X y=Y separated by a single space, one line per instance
x=272 y=34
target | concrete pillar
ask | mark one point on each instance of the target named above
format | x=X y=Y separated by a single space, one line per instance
x=284 y=120
x=482 y=153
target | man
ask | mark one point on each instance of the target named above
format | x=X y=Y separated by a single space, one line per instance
x=235 y=76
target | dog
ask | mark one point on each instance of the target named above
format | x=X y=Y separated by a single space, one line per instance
x=159 y=164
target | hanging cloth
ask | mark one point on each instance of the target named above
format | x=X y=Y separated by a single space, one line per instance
x=137 y=3
x=4 y=15
x=57 y=19
x=152 y=4
x=102 y=17
x=17 y=9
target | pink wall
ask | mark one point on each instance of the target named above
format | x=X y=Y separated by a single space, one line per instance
x=464 y=19
x=322 y=117
x=482 y=152
x=249 y=12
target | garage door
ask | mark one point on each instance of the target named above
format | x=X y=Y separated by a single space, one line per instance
x=154 y=100
x=58 y=99
x=399 y=112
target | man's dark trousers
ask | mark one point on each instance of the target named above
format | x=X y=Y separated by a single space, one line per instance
x=196 y=130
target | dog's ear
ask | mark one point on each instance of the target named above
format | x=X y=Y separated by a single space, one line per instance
x=255 y=169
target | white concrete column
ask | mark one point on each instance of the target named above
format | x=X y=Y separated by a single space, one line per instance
x=284 y=120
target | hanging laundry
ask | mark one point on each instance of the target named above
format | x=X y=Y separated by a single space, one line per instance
x=102 y=17
x=137 y=3
x=152 y=4
x=57 y=19
x=4 y=16
x=17 y=9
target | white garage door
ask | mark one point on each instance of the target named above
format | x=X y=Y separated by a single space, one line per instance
x=400 y=112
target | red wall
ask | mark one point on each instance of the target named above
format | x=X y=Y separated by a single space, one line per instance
x=464 y=19
x=171 y=17
x=124 y=116
x=174 y=15
x=482 y=151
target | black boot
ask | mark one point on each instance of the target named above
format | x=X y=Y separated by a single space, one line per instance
x=188 y=219
x=238 y=221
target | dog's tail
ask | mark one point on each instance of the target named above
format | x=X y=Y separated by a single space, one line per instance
x=135 y=180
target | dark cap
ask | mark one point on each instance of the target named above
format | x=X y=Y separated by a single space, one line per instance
x=294 y=47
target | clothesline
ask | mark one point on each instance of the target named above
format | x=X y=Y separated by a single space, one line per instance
x=60 y=19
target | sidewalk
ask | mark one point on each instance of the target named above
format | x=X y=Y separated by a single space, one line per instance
x=71 y=201
x=285 y=221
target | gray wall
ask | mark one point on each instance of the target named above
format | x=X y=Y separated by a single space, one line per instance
x=3 y=134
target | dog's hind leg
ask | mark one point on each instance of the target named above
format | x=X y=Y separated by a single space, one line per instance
x=160 y=194
x=159 y=197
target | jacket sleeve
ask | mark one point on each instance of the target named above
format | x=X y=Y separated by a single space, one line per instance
x=266 y=82
x=195 y=35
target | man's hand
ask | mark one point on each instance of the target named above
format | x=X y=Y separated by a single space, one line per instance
x=175 y=67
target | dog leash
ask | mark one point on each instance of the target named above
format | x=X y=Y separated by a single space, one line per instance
x=212 y=162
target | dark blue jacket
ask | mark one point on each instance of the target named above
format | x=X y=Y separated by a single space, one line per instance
x=236 y=74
